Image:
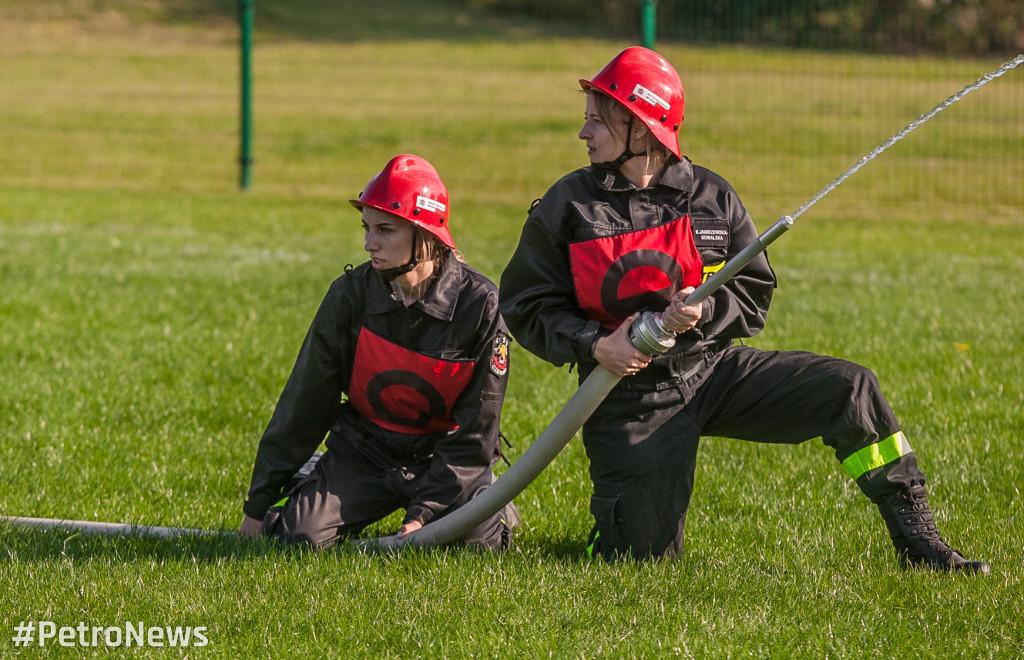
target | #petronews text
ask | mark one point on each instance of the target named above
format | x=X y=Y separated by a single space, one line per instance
x=29 y=633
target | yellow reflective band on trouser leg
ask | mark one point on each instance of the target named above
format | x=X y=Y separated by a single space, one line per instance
x=875 y=456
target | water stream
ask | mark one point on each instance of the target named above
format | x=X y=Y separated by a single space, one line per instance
x=899 y=136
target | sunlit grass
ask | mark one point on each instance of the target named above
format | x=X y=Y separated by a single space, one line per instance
x=151 y=312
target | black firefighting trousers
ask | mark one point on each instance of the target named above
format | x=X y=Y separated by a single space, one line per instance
x=642 y=441
x=345 y=493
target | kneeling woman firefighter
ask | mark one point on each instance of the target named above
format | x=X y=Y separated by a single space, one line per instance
x=636 y=231
x=404 y=370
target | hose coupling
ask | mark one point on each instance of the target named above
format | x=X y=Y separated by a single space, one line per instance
x=650 y=336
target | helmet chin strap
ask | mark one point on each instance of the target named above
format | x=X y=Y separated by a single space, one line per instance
x=627 y=154
x=390 y=274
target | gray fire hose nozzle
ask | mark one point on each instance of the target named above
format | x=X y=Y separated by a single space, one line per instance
x=648 y=333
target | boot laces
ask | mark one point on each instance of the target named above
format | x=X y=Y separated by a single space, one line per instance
x=915 y=517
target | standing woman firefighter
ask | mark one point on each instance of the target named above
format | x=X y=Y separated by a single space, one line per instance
x=404 y=370
x=636 y=231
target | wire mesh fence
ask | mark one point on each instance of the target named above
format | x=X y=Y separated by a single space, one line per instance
x=158 y=109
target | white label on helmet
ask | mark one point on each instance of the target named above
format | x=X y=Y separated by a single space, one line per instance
x=650 y=96
x=429 y=204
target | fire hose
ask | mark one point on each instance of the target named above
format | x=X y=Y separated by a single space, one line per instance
x=648 y=334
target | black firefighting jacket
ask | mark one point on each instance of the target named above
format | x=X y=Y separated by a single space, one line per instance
x=457 y=321
x=538 y=296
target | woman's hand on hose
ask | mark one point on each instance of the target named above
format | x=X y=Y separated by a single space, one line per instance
x=617 y=354
x=409 y=527
x=678 y=316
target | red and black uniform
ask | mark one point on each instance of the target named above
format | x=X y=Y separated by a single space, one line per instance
x=596 y=249
x=409 y=399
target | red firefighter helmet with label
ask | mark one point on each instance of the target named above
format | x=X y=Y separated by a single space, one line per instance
x=648 y=87
x=410 y=188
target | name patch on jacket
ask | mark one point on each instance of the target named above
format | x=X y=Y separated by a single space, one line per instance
x=404 y=391
x=712 y=235
x=637 y=271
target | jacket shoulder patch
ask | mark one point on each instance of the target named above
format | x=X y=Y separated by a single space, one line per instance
x=499 y=355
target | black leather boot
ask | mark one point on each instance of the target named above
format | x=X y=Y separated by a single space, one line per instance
x=915 y=537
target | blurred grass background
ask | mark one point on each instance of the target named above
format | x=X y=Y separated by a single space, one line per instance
x=151 y=312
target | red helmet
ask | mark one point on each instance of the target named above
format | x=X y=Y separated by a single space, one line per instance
x=648 y=87
x=410 y=188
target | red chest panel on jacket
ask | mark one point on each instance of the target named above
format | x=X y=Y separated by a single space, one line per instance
x=618 y=275
x=404 y=391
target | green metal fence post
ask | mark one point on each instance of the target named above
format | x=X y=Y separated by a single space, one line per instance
x=246 y=8
x=648 y=22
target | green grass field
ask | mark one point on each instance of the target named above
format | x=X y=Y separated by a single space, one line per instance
x=150 y=314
